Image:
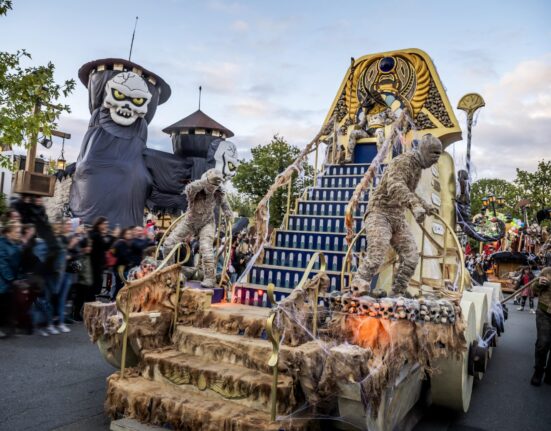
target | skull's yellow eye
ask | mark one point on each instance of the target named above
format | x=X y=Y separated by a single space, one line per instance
x=231 y=167
x=118 y=95
x=138 y=101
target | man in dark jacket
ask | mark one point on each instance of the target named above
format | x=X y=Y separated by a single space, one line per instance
x=543 y=325
x=10 y=260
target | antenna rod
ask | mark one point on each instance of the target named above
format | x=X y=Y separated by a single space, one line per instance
x=132 y=43
x=200 y=89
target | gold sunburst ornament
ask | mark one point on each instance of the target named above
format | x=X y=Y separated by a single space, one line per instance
x=470 y=103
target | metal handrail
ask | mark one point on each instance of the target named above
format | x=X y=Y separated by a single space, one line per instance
x=167 y=231
x=130 y=287
x=275 y=337
x=272 y=331
x=227 y=251
x=346 y=262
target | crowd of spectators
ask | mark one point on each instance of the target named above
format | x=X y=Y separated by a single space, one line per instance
x=44 y=292
x=47 y=275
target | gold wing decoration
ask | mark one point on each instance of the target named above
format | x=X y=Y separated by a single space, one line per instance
x=408 y=79
x=403 y=79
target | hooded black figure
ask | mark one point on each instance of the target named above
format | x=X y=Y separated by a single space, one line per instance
x=112 y=177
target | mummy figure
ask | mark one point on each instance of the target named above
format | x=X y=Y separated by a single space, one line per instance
x=203 y=196
x=386 y=222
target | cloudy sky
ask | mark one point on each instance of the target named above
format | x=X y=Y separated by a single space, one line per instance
x=271 y=67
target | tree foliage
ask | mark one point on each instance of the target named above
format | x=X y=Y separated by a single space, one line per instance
x=497 y=187
x=536 y=186
x=29 y=98
x=254 y=177
x=241 y=204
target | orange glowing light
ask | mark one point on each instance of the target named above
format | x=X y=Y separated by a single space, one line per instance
x=260 y=292
x=369 y=332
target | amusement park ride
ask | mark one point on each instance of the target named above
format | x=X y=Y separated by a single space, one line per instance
x=289 y=348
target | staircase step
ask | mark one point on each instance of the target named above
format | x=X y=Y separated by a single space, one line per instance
x=233 y=319
x=348 y=169
x=325 y=241
x=288 y=277
x=339 y=180
x=247 y=352
x=225 y=381
x=241 y=296
x=182 y=409
x=327 y=208
x=299 y=258
x=339 y=194
x=321 y=223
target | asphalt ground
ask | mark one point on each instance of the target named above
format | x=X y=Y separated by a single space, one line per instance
x=503 y=400
x=58 y=383
x=51 y=383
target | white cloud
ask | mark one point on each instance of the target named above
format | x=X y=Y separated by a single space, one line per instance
x=240 y=26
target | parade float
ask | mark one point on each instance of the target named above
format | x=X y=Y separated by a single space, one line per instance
x=294 y=344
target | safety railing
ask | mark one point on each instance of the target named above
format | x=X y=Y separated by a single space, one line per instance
x=227 y=255
x=129 y=288
x=425 y=234
x=272 y=331
x=166 y=233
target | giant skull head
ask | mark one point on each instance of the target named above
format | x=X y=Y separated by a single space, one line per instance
x=126 y=97
x=226 y=159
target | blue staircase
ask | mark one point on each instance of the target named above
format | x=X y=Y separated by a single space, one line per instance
x=317 y=225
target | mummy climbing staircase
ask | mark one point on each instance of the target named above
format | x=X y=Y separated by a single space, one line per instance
x=316 y=224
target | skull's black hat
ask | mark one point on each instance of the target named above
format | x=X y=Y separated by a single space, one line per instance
x=125 y=66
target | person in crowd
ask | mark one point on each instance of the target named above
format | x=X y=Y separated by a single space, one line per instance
x=84 y=279
x=101 y=242
x=11 y=215
x=479 y=275
x=10 y=260
x=528 y=293
x=121 y=251
x=139 y=243
x=542 y=364
x=69 y=241
x=43 y=306
x=242 y=256
x=30 y=275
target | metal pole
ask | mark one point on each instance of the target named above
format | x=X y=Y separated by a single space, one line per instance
x=469 y=134
x=289 y=190
x=316 y=165
x=125 y=335
x=31 y=152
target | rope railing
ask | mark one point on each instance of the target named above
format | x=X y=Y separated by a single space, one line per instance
x=284 y=179
x=129 y=287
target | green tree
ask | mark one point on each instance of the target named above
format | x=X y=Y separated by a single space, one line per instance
x=498 y=187
x=254 y=177
x=29 y=98
x=241 y=204
x=536 y=186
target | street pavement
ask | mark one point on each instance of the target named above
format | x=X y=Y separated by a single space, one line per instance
x=55 y=382
x=58 y=383
x=503 y=400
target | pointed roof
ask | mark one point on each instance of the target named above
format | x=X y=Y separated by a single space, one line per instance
x=198 y=120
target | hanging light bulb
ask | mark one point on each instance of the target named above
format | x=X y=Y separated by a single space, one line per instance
x=61 y=162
